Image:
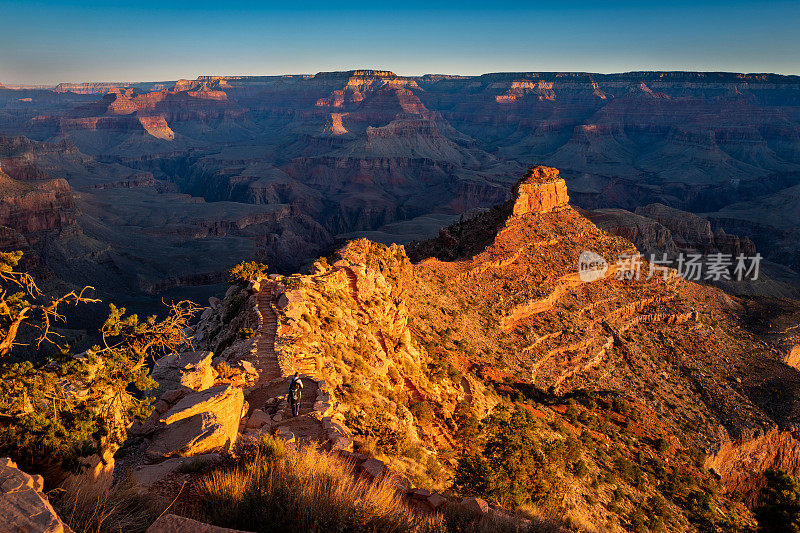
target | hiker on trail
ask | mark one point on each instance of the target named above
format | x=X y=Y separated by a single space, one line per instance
x=295 y=388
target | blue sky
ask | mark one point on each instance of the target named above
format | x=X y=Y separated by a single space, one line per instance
x=52 y=41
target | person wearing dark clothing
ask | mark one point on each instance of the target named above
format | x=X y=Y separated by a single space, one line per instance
x=295 y=389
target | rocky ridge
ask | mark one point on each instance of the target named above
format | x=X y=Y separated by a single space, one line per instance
x=496 y=301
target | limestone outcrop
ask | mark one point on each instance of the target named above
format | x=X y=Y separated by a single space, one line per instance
x=23 y=506
x=199 y=423
x=540 y=191
x=191 y=370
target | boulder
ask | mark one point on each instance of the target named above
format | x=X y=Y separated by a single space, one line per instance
x=222 y=400
x=355 y=458
x=323 y=408
x=475 y=505
x=201 y=433
x=285 y=435
x=248 y=367
x=172 y=396
x=342 y=443
x=191 y=370
x=259 y=432
x=436 y=500
x=373 y=468
x=420 y=494
x=257 y=419
x=201 y=422
x=23 y=506
x=170 y=523
x=402 y=483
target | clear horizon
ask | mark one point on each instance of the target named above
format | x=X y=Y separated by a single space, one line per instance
x=46 y=42
x=132 y=81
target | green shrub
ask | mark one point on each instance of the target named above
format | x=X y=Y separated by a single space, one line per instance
x=513 y=468
x=422 y=412
x=247 y=271
x=57 y=412
x=780 y=510
x=580 y=469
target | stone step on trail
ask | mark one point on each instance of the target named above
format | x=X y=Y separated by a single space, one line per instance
x=272 y=382
x=266 y=360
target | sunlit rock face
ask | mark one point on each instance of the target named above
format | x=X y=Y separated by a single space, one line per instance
x=540 y=191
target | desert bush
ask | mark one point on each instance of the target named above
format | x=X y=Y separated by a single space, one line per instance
x=579 y=468
x=412 y=450
x=225 y=371
x=423 y=412
x=292 y=282
x=468 y=426
x=514 y=466
x=780 y=508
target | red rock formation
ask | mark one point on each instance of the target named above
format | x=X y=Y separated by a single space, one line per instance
x=540 y=191
x=741 y=463
x=21 y=168
x=157 y=127
x=37 y=207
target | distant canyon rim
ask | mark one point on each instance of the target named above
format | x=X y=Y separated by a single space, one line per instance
x=154 y=189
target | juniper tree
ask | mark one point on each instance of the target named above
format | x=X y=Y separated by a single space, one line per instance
x=66 y=407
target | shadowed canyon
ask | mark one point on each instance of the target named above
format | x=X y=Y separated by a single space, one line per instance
x=143 y=188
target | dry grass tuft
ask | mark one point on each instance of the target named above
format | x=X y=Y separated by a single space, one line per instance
x=225 y=371
x=86 y=508
x=274 y=490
